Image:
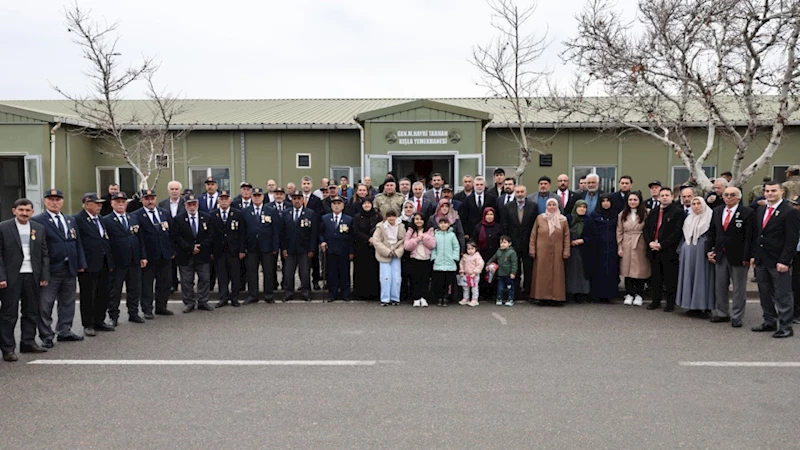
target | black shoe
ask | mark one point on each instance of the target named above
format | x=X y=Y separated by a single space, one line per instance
x=287 y=299
x=316 y=286
x=308 y=299
x=653 y=306
x=47 y=343
x=205 y=307
x=220 y=304
x=720 y=319
x=188 y=309
x=736 y=323
x=669 y=308
x=89 y=332
x=71 y=337
x=135 y=318
x=10 y=357
x=270 y=300
x=149 y=316
x=395 y=303
x=796 y=321
x=164 y=312
x=235 y=303
x=386 y=304
x=114 y=322
x=103 y=327
x=764 y=327
x=782 y=333
x=250 y=300
x=32 y=349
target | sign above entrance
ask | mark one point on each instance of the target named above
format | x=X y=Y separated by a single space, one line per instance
x=423 y=137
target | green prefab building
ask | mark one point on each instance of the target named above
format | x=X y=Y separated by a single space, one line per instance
x=256 y=140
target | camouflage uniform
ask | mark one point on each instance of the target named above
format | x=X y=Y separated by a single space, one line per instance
x=791 y=187
x=756 y=192
x=385 y=202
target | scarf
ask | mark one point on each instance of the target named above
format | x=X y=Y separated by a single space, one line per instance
x=553 y=219
x=482 y=233
x=577 y=221
x=403 y=217
x=608 y=214
x=451 y=215
x=696 y=224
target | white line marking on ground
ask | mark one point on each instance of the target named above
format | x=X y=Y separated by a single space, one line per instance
x=500 y=318
x=197 y=362
x=739 y=364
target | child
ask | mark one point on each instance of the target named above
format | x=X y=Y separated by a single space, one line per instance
x=445 y=260
x=419 y=242
x=506 y=259
x=471 y=266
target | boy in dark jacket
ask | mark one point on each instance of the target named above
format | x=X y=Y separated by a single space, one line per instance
x=506 y=259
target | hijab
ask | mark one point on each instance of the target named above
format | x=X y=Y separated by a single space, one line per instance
x=451 y=215
x=403 y=217
x=577 y=221
x=553 y=219
x=607 y=214
x=482 y=233
x=696 y=224
x=365 y=213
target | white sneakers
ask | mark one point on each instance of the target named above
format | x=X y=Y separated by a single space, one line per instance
x=637 y=301
x=423 y=303
x=416 y=303
x=474 y=302
x=628 y=300
x=463 y=301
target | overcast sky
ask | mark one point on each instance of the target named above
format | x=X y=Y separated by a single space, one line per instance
x=273 y=49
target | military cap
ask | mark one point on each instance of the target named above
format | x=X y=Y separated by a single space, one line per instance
x=654 y=183
x=336 y=198
x=258 y=191
x=190 y=198
x=297 y=194
x=148 y=193
x=92 y=197
x=245 y=184
x=54 y=193
x=210 y=180
x=119 y=195
x=447 y=187
x=224 y=193
x=278 y=189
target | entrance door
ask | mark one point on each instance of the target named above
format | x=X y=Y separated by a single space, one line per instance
x=12 y=184
x=409 y=165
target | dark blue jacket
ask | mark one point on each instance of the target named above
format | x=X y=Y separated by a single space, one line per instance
x=263 y=231
x=184 y=239
x=229 y=236
x=125 y=243
x=156 y=242
x=96 y=248
x=300 y=236
x=63 y=250
x=203 y=203
x=339 y=239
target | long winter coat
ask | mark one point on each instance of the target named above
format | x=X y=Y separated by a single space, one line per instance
x=600 y=235
x=445 y=255
x=548 y=279
x=630 y=239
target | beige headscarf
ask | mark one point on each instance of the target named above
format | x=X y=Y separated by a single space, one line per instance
x=554 y=219
x=696 y=224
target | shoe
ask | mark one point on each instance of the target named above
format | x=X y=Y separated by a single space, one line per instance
x=71 y=337
x=628 y=300
x=103 y=327
x=653 y=306
x=510 y=303
x=796 y=321
x=269 y=300
x=89 y=332
x=720 y=319
x=736 y=323
x=416 y=303
x=10 y=357
x=384 y=304
x=423 y=303
x=764 y=327
x=669 y=308
x=499 y=303
x=395 y=303
x=47 y=343
x=287 y=299
x=473 y=303
x=463 y=302
x=235 y=303
x=250 y=300
x=187 y=309
x=205 y=307
x=135 y=319
x=149 y=316
x=114 y=322
x=164 y=312
x=637 y=301
x=220 y=304
x=782 y=333
x=32 y=349
x=315 y=286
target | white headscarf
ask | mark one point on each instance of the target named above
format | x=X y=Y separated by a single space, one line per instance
x=553 y=219
x=696 y=224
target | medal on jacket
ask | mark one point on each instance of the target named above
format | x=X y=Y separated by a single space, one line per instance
x=73 y=234
x=134 y=229
x=266 y=219
x=305 y=223
x=234 y=225
x=343 y=228
x=165 y=226
x=33 y=234
x=205 y=227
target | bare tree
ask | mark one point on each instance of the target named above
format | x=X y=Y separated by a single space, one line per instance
x=508 y=70
x=728 y=67
x=139 y=133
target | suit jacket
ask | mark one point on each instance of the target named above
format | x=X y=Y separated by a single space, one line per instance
x=432 y=195
x=126 y=245
x=461 y=196
x=428 y=206
x=11 y=256
x=156 y=241
x=519 y=232
x=300 y=236
x=164 y=204
x=230 y=236
x=652 y=203
x=501 y=202
x=471 y=215
x=572 y=197
x=314 y=204
x=185 y=240
x=264 y=230
x=286 y=205
x=777 y=242
x=618 y=201
x=203 y=203
x=63 y=250
x=534 y=198
x=238 y=203
x=670 y=233
x=735 y=243
x=96 y=248
x=340 y=239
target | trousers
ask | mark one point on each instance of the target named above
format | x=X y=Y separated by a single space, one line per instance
x=131 y=277
x=61 y=288
x=95 y=290
x=775 y=293
x=26 y=291
x=188 y=272
x=724 y=274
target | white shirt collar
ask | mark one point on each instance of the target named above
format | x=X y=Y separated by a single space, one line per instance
x=733 y=208
x=53 y=215
x=775 y=206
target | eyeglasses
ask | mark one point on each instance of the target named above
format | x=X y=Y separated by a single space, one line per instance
x=728 y=194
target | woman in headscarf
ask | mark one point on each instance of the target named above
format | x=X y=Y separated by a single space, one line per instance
x=577 y=282
x=365 y=267
x=360 y=192
x=445 y=209
x=634 y=265
x=695 y=272
x=487 y=236
x=405 y=277
x=549 y=247
x=602 y=264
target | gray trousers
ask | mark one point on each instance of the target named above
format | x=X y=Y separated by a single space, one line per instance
x=187 y=272
x=775 y=291
x=62 y=288
x=267 y=263
x=293 y=262
x=725 y=273
x=132 y=278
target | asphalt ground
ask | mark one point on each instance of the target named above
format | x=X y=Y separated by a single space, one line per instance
x=578 y=376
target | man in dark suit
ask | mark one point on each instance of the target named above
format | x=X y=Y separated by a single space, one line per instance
x=245 y=197
x=777 y=231
x=124 y=234
x=208 y=201
x=663 y=230
x=421 y=203
x=434 y=194
x=518 y=218
x=728 y=246
x=24 y=268
x=468 y=185
x=313 y=203
x=264 y=224
x=715 y=199
x=94 y=282
x=620 y=198
x=229 y=248
x=508 y=194
x=299 y=244
x=173 y=204
x=280 y=204
x=336 y=242
x=475 y=204
x=327 y=207
x=192 y=235
x=540 y=198
x=113 y=188
x=653 y=202
x=66 y=260
x=566 y=198
x=154 y=226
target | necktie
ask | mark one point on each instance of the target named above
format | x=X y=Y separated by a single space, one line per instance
x=480 y=201
x=564 y=199
x=687 y=212
x=437 y=196
x=767 y=216
x=124 y=221
x=419 y=205
x=508 y=198
x=296 y=214
x=335 y=221
x=727 y=220
x=658 y=224
x=60 y=225
x=194 y=227
x=258 y=211
x=224 y=216
x=210 y=202
x=305 y=201
x=153 y=217
x=99 y=227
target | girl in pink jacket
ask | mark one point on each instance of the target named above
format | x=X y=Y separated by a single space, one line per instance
x=471 y=266
x=419 y=242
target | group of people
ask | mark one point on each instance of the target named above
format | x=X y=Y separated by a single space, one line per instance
x=405 y=240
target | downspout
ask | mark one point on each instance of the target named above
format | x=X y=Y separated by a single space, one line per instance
x=482 y=170
x=361 y=130
x=53 y=155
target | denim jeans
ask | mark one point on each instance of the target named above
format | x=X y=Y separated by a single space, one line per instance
x=502 y=283
x=390 y=281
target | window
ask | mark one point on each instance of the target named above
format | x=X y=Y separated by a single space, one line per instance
x=162 y=161
x=303 y=161
x=198 y=175
x=338 y=172
x=779 y=173
x=680 y=174
x=125 y=177
x=607 y=174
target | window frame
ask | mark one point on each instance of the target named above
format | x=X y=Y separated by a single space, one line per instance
x=209 y=171
x=297 y=160
x=102 y=190
x=576 y=180
x=679 y=166
x=781 y=176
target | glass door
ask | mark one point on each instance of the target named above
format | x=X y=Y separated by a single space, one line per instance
x=377 y=166
x=33 y=185
x=467 y=165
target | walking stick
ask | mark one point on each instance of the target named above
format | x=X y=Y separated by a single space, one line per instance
x=324 y=263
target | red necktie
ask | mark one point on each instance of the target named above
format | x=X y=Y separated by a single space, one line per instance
x=437 y=196
x=767 y=216
x=419 y=205
x=727 y=220
x=564 y=199
x=658 y=224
